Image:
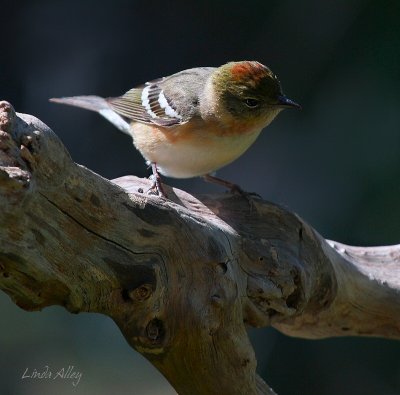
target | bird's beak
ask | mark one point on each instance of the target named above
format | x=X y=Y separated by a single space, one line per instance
x=285 y=102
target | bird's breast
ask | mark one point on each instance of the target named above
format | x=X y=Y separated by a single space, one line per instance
x=186 y=151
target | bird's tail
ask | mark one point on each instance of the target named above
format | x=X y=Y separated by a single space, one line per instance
x=97 y=104
x=93 y=103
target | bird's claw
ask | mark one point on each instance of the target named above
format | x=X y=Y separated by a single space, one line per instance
x=236 y=190
x=248 y=196
x=233 y=188
x=156 y=187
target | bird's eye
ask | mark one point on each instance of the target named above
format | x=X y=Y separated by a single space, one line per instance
x=252 y=103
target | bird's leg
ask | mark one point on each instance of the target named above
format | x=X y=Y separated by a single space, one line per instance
x=234 y=188
x=156 y=186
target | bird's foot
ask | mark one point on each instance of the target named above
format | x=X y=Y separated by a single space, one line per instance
x=236 y=190
x=233 y=188
x=156 y=187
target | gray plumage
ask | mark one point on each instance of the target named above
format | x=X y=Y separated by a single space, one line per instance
x=181 y=90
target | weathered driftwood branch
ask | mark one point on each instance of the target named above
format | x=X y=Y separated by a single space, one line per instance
x=181 y=277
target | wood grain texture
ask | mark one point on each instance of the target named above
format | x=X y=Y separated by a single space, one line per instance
x=182 y=277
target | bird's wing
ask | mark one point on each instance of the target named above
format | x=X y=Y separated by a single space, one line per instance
x=147 y=104
x=167 y=101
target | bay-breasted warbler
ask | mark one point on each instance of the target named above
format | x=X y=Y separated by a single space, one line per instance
x=196 y=121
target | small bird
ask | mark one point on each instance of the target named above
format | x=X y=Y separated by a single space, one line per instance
x=196 y=121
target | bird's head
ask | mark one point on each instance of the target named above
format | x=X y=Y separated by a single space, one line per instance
x=250 y=92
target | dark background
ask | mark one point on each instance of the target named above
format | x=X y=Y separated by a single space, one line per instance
x=336 y=163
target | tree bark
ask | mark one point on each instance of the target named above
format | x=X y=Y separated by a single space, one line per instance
x=183 y=276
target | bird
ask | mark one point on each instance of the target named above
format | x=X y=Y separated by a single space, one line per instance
x=196 y=121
